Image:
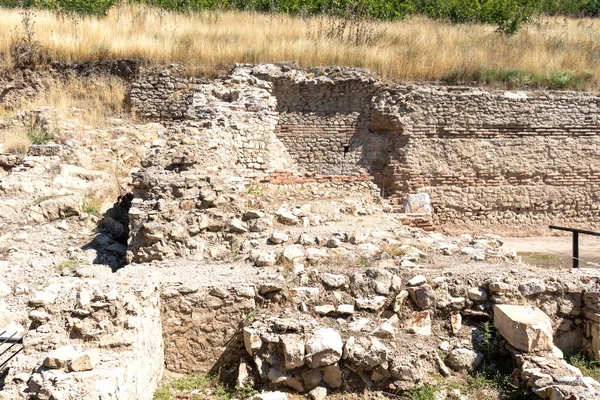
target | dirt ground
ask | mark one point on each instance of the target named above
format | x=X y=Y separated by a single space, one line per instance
x=556 y=251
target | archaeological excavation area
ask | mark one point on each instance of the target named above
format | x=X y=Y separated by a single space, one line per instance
x=296 y=234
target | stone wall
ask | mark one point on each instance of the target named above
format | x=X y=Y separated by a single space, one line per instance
x=382 y=324
x=90 y=338
x=202 y=327
x=496 y=158
x=487 y=158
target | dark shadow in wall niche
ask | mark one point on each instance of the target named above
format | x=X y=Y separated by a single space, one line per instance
x=112 y=232
x=226 y=366
x=332 y=129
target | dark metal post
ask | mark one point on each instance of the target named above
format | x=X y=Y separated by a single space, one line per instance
x=575 y=249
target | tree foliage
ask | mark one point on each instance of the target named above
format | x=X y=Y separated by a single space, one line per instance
x=507 y=15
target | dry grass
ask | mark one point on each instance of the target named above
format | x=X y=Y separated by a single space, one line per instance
x=416 y=49
x=89 y=100
x=14 y=141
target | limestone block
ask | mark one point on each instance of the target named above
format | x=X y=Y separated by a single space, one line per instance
x=419 y=323
x=324 y=347
x=60 y=357
x=86 y=361
x=526 y=328
x=293 y=350
x=365 y=352
x=252 y=341
x=417 y=204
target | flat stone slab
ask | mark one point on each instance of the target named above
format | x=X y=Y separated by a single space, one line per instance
x=526 y=328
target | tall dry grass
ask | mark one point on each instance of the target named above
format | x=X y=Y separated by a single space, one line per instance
x=415 y=49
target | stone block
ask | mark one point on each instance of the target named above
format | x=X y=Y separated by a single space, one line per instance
x=526 y=328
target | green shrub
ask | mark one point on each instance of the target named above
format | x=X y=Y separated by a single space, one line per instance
x=85 y=7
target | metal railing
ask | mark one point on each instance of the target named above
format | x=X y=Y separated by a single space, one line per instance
x=576 y=233
x=11 y=344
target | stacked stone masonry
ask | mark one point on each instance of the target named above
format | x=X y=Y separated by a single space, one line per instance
x=486 y=157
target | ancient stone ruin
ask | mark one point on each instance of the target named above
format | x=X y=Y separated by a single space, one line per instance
x=300 y=233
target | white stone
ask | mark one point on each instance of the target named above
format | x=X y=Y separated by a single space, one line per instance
x=270 y=396
x=86 y=361
x=365 y=352
x=345 y=309
x=318 y=393
x=252 y=341
x=373 y=303
x=278 y=238
x=477 y=294
x=419 y=323
x=60 y=357
x=238 y=226
x=293 y=350
x=293 y=253
x=417 y=280
x=334 y=281
x=325 y=309
x=287 y=217
x=532 y=287
x=526 y=328
x=464 y=359
x=4 y=290
x=266 y=260
x=324 y=347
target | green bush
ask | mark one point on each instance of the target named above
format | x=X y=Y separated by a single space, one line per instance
x=85 y=7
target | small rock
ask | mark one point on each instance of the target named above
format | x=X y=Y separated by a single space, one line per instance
x=333 y=243
x=477 y=294
x=532 y=287
x=287 y=217
x=318 y=393
x=293 y=350
x=423 y=296
x=464 y=359
x=238 y=226
x=332 y=376
x=345 y=309
x=373 y=304
x=278 y=238
x=253 y=214
x=455 y=323
x=325 y=309
x=85 y=362
x=270 y=396
x=365 y=352
x=333 y=281
x=60 y=357
x=417 y=280
x=266 y=260
x=419 y=323
x=293 y=253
